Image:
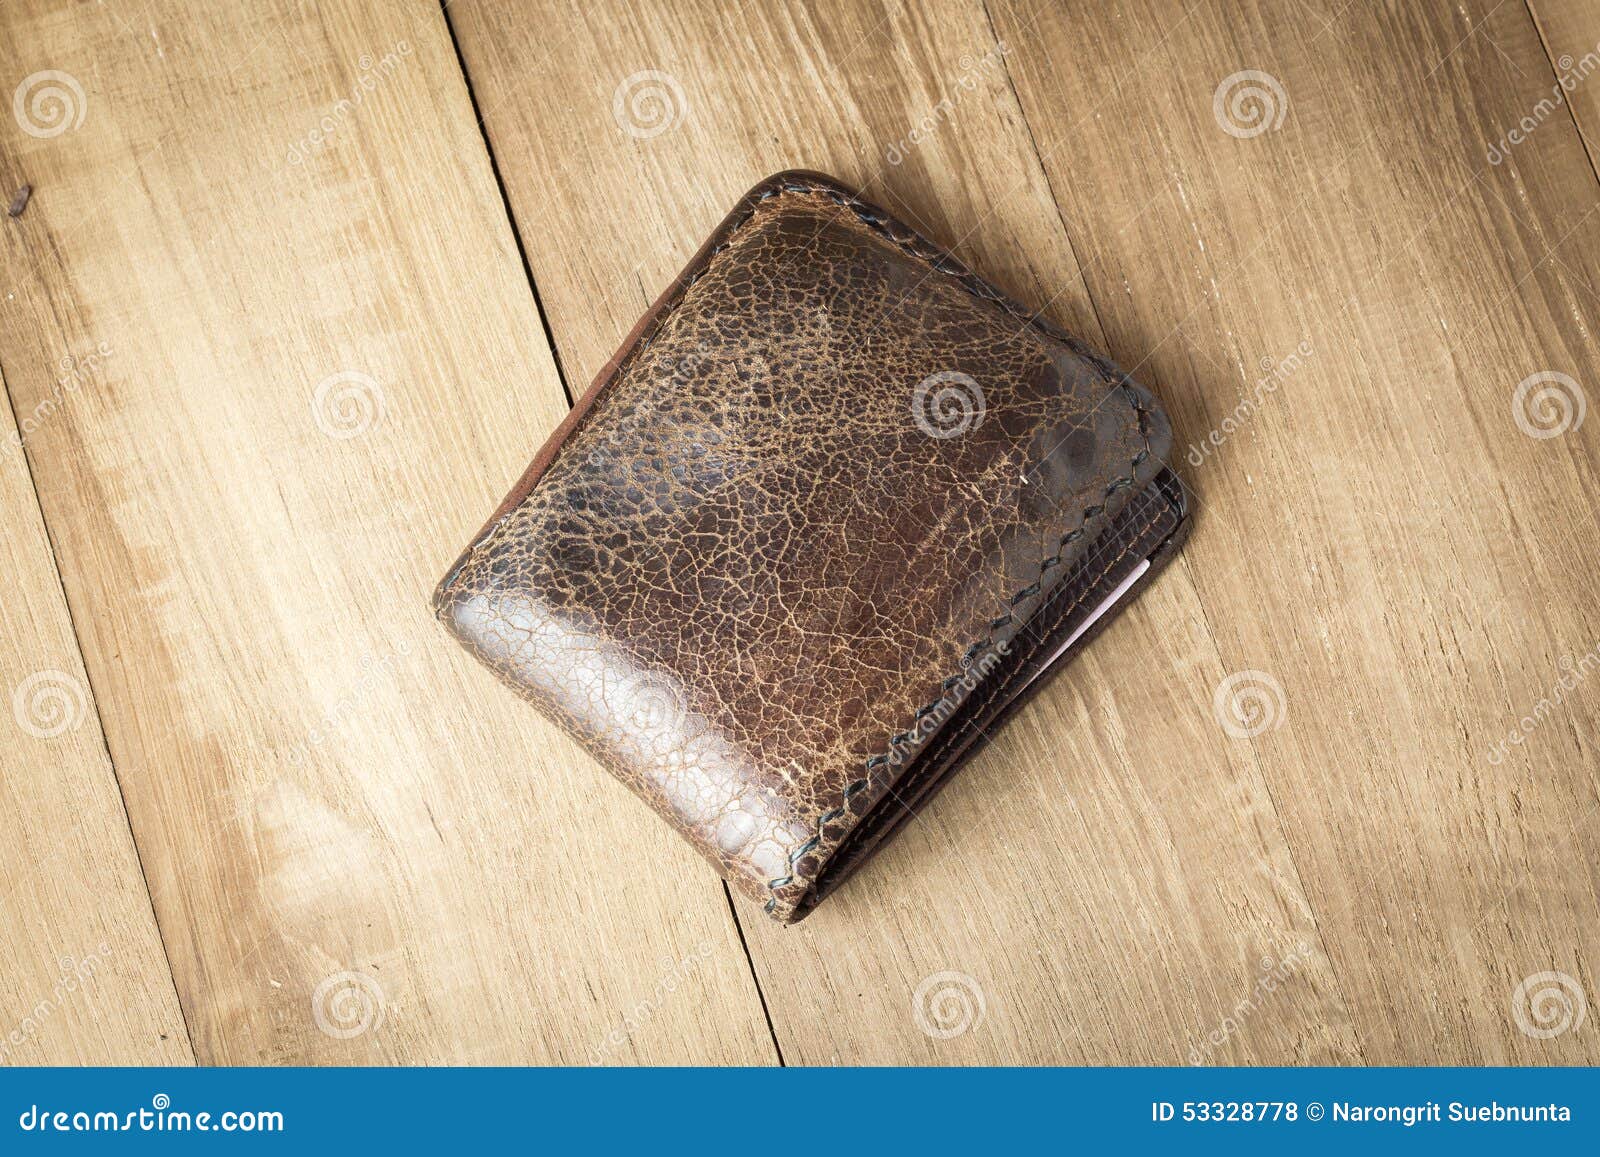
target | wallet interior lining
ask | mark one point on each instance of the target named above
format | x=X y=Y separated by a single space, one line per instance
x=1143 y=531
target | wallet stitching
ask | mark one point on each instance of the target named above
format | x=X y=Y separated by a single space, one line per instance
x=931 y=757
x=932 y=754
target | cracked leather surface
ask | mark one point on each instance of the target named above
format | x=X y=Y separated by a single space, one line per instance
x=744 y=569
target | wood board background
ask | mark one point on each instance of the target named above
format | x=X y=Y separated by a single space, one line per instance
x=301 y=287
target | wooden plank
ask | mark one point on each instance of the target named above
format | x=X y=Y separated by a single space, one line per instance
x=83 y=980
x=1403 y=545
x=1107 y=902
x=328 y=367
x=1570 y=30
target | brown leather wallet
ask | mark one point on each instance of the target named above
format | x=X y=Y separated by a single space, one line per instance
x=824 y=519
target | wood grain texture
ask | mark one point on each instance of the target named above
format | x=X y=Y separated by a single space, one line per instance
x=85 y=980
x=1380 y=534
x=327 y=368
x=1062 y=875
x=1570 y=30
